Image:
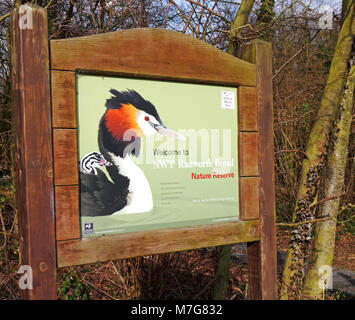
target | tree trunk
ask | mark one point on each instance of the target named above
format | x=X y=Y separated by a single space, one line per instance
x=266 y=11
x=344 y=7
x=319 y=271
x=240 y=20
x=224 y=252
x=265 y=17
x=313 y=164
x=222 y=272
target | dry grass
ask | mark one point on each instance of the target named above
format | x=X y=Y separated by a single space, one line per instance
x=183 y=275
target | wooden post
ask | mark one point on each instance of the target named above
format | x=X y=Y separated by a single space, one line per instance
x=34 y=164
x=262 y=256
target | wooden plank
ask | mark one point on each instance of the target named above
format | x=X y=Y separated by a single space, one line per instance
x=33 y=139
x=65 y=157
x=63 y=99
x=262 y=254
x=248 y=154
x=129 y=245
x=67 y=212
x=254 y=271
x=248 y=113
x=249 y=198
x=153 y=53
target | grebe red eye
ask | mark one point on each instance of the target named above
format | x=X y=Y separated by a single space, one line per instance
x=146 y=118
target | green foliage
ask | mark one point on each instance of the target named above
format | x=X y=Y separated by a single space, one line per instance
x=338 y=295
x=7 y=195
x=304 y=123
x=325 y=54
x=266 y=11
x=72 y=288
x=347 y=221
x=265 y=16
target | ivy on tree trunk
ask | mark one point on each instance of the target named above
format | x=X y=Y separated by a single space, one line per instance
x=319 y=270
x=317 y=150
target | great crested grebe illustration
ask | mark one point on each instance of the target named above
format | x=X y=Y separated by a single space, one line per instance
x=127 y=119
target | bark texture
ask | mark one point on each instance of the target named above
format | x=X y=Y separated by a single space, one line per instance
x=317 y=150
x=240 y=20
x=319 y=271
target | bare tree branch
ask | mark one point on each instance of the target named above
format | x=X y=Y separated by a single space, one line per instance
x=4 y=16
x=210 y=10
x=295 y=55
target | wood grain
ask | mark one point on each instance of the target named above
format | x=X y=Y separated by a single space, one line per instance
x=248 y=113
x=128 y=245
x=154 y=53
x=248 y=154
x=262 y=254
x=63 y=99
x=67 y=212
x=34 y=160
x=65 y=157
x=255 y=285
x=249 y=198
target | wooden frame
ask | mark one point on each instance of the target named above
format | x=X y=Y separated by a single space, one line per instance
x=34 y=158
x=46 y=142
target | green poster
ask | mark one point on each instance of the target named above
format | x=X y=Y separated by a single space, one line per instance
x=155 y=154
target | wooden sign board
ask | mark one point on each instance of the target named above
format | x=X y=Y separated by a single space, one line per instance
x=46 y=127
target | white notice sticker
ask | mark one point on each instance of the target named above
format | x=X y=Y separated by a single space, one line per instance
x=227 y=99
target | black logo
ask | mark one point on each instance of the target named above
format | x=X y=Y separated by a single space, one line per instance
x=89 y=228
